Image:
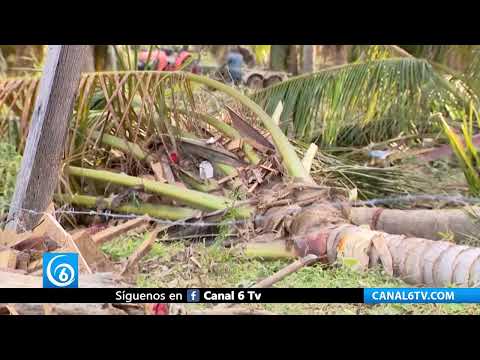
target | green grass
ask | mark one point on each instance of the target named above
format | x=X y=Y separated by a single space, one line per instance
x=181 y=265
x=9 y=167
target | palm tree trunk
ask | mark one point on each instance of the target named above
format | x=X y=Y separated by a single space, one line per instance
x=292 y=59
x=430 y=224
x=323 y=231
x=308 y=58
x=340 y=54
x=417 y=261
x=90 y=59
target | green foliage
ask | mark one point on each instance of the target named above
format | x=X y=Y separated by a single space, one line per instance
x=378 y=98
x=220 y=267
x=370 y=182
x=465 y=151
x=262 y=53
x=225 y=229
x=9 y=167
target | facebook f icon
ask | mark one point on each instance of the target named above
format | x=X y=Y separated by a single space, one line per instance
x=193 y=295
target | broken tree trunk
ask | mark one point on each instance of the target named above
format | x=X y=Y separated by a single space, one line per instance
x=322 y=230
x=430 y=224
x=41 y=161
x=419 y=261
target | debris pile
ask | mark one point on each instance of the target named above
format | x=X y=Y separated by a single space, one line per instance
x=184 y=172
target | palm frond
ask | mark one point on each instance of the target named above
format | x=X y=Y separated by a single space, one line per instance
x=466 y=152
x=370 y=182
x=148 y=108
x=386 y=96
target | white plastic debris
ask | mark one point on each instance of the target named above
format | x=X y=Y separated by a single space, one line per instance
x=378 y=154
x=206 y=170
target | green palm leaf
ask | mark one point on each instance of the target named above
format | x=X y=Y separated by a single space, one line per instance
x=395 y=93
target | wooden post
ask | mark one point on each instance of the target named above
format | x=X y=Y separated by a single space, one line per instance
x=38 y=174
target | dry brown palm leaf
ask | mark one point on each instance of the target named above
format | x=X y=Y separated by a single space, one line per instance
x=249 y=133
x=211 y=153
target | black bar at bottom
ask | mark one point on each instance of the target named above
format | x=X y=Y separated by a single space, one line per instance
x=203 y=295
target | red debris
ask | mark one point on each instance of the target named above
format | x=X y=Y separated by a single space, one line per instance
x=159 y=309
x=174 y=157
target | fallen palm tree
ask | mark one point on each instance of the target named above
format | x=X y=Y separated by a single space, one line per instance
x=322 y=230
x=431 y=224
x=140 y=127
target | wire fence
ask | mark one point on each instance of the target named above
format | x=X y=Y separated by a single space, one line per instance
x=200 y=223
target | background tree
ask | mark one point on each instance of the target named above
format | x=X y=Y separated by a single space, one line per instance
x=308 y=58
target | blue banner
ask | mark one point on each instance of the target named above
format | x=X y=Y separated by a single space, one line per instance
x=421 y=295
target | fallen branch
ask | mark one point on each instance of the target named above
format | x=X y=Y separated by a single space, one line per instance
x=142 y=250
x=193 y=198
x=113 y=232
x=290 y=269
x=154 y=210
x=89 y=250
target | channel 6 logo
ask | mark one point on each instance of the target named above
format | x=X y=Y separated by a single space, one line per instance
x=60 y=270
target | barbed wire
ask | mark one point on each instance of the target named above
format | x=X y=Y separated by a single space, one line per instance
x=290 y=237
x=198 y=222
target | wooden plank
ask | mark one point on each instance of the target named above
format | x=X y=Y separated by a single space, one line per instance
x=40 y=166
x=141 y=251
x=89 y=250
x=23 y=259
x=9 y=237
x=66 y=239
x=35 y=265
x=113 y=232
x=8 y=259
